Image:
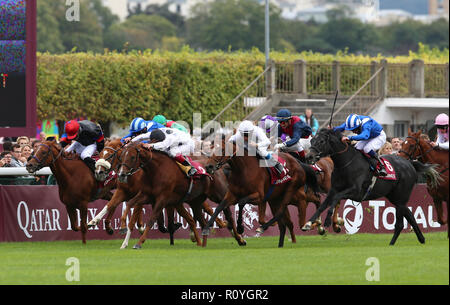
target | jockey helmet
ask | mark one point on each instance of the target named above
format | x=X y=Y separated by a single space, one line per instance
x=246 y=127
x=160 y=119
x=284 y=115
x=137 y=125
x=441 y=120
x=267 y=122
x=157 y=136
x=352 y=122
x=72 y=128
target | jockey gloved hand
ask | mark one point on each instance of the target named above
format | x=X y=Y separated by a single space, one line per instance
x=279 y=146
x=345 y=139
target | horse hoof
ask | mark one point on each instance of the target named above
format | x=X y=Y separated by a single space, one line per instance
x=321 y=230
x=243 y=243
x=110 y=231
x=260 y=230
x=141 y=230
x=319 y=221
x=91 y=224
x=307 y=226
x=137 y=247
x=337 y=229
x=340 y=221
x=123 y=247
x=123 y=231
x=192 y=235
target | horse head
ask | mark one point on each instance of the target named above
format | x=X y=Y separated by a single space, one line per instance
x=45 y=155
x=411 y=149
x=109 y=159
x=323 y=144
x=222 y=152
x=134 y=157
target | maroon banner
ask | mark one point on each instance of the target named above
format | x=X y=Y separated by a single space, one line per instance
x=35 y=213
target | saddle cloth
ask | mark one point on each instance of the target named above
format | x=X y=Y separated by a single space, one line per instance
x=391 y=175
x=275 y=177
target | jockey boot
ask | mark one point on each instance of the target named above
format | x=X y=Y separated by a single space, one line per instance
x=377 y=165
x=189 y=169
x=90 y=163
x=279 y=167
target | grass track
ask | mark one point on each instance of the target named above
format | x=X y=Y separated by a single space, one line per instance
x=334 y=259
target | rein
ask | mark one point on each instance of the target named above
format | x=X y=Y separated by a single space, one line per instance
x=47 y=154
x=133 y=170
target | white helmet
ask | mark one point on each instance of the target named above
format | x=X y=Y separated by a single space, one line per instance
x=246 y=127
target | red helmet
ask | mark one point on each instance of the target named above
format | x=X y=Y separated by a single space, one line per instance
x=72 y=128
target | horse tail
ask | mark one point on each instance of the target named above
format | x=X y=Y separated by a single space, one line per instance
x=311 y=178
x=429 y=171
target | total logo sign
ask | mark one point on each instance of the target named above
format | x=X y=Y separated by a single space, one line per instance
x=377 y=215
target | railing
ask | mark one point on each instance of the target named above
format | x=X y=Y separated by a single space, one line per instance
x=413 y=79
x=20 y=176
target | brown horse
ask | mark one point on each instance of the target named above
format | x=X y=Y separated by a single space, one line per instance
x=416 y=147
x=250 y=183
x=130 y=192
x=76 y=183
x=166 y=185
x=302 y=197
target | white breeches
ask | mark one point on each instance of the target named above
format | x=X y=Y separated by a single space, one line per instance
x=83 y=151
x=372 y=144
x=302 y=144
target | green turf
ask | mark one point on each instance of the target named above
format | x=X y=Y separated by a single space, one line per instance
x=333 y=259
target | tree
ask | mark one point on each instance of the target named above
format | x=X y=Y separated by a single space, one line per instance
x=231 y=25
x=140 y=32
x=48 y=33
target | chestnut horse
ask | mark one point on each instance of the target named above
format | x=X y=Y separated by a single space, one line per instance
x=130 y=192
x=250 y=183
x=76 y=183
x=302 y=197
x=415 y=147
x=166 y=185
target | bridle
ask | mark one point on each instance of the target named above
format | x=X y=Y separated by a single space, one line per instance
x=133 y=170
x=49 y=152
x=416 y=147
x=320 y=154
x=114 y=154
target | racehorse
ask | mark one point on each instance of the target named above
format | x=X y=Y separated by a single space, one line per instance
x=251 y=183
x=76 y=183
x=130 y=192
x=166 y=185
x=351 y=179
x=305 y=195
x=415 y=147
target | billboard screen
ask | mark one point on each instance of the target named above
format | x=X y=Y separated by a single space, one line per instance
x=17 y=67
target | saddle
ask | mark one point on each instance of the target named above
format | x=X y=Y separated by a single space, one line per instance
x=391 y=175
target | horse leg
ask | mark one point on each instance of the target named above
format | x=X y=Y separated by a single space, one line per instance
x=118 y=197
x=226 y=201
x=337 y=221
x=262 y=213
x=72 y=212
x=192 y=225
x=288 y=223
x=282 y=228
x=170 y=224
x=412 y=221
x=440 y=211
x=240 y=227
x=83 y=224
x=123 y=220
x=232 y=227
x=134 y=216
x=210 y=211
x=159 y=205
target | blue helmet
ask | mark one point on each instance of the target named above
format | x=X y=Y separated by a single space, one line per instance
x=352 y=122
x=137 y=125
x=284 y=115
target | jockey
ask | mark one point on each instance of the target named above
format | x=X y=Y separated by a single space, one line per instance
x=87 y=139
x=170 y=124
x=258 y=139
x=441 y=122
x=297 y=130
x=139 y=126
x=370 y=137
x=175 y=143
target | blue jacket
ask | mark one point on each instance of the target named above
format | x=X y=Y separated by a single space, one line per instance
x=151 y=125
x=369 y=129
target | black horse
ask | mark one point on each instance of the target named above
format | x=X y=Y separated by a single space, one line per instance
x=353 y=179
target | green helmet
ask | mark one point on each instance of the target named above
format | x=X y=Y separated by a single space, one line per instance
x=160 y=119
